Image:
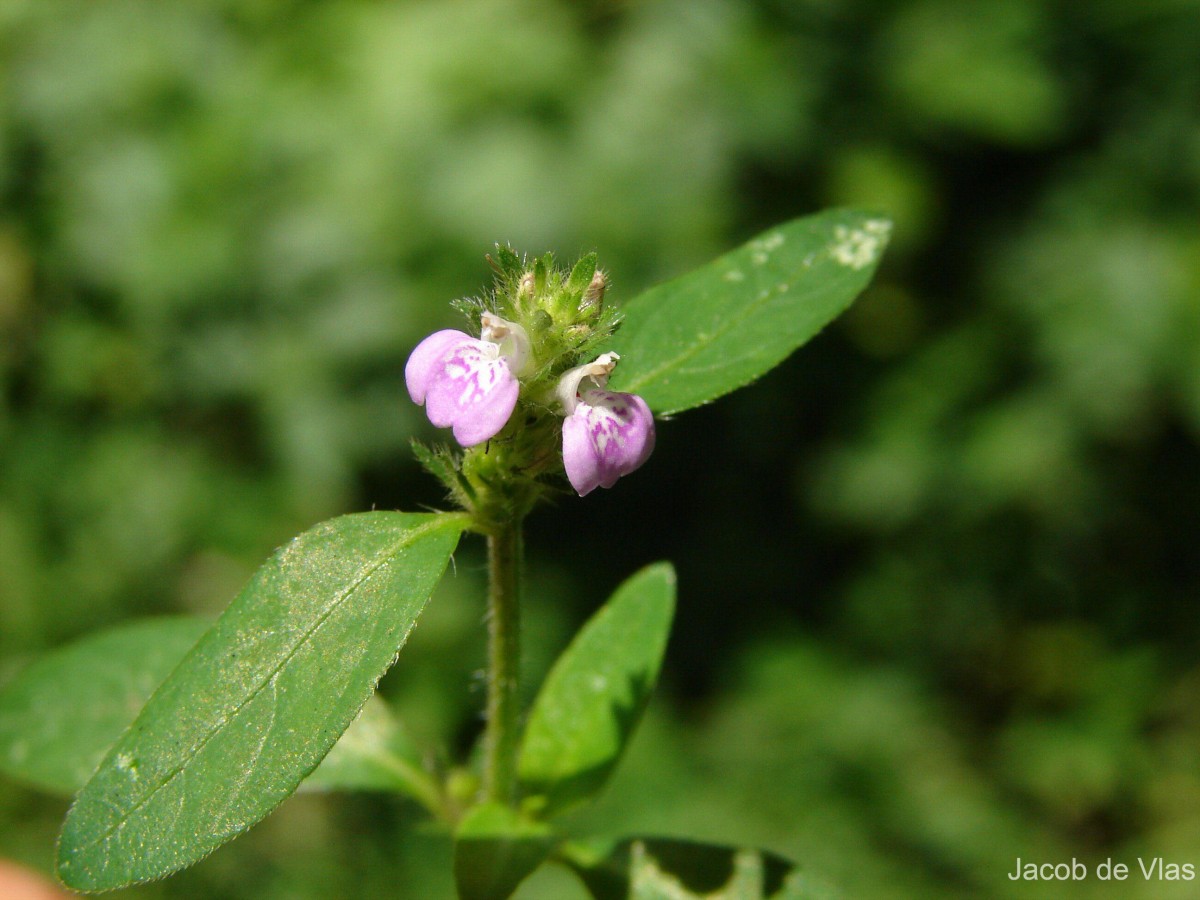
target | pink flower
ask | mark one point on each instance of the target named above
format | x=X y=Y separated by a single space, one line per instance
x=605 y=434
x=469 y=384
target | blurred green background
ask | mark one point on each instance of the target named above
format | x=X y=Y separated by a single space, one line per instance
x=938 y=572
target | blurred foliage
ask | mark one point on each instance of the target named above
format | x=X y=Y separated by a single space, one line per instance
x=937 y=612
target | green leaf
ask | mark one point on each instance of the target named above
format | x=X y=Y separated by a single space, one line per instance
x=542 y=267
x=495 y=849
x=716 y=329
x=442 y=464
x=59 y=717
x=671 y=869
x=260 y=699
x=507 y=260
x=376 y=754
x=581 y=275
x=596 y=692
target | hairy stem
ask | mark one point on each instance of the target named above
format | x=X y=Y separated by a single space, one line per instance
x=504 y=651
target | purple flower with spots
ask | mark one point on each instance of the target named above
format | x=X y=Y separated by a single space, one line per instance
x=469 y=384
x=605 y=434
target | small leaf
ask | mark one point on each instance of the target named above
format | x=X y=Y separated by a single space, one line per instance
x=260 y=699
x=670 y=869
x=495 y=849
x=59 y=717
x=542 y=267
x=442 y=464
x=596 y=692
x=507 y=260
x=375 y=754
x=716 y=329
x=581 y=275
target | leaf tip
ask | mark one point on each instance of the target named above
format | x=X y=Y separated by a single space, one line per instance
x=860 y=245
x=663 y=571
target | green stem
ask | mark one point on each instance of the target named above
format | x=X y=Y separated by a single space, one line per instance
x=504 y=651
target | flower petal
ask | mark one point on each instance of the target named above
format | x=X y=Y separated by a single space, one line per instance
x=511 y=338
x=474 y=391
x=427 y=361
x=607 y=436
x=579 y=455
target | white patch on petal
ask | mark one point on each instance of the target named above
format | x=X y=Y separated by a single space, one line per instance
x=475 y=368
x=605 y=426
x=608 y=420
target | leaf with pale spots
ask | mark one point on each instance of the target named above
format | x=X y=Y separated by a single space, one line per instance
x=594 y=696
x=258 y=702
x=689 y=341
